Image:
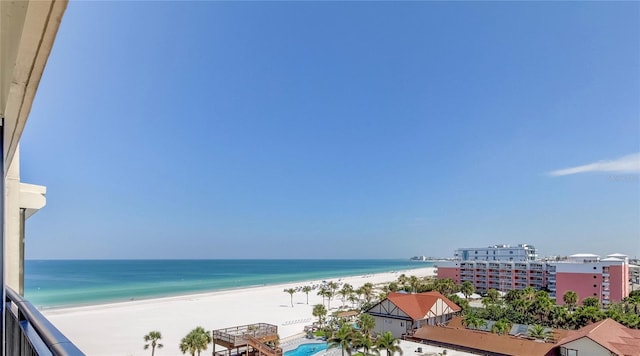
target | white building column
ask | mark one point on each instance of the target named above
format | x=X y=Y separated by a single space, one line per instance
x=12 y=224
x=21 y=201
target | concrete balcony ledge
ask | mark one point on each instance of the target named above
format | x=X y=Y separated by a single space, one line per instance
x=32 y=198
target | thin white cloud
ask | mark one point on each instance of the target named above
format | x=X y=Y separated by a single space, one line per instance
x=626 y=164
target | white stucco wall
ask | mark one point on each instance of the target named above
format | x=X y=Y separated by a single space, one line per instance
x=397 y=327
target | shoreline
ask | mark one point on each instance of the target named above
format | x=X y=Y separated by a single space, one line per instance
x=175 y=316
x=43 y=308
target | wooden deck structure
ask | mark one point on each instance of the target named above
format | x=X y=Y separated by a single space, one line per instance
x=252 y=337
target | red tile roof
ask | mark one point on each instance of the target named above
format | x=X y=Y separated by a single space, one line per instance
x=417 y=305
x=611 y=335
x=483 y=342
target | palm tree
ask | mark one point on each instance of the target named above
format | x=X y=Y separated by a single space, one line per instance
x=462 y=303
x=445 y=286
x=333 y=287
x=473 y=321
x=323 y=291
x=291 y=291
x=591 y=302
x=539 y=332
x=342 y=338
x=345 y=292
x=319 y=311
x=196 y=341
x=559 y=317
x=353 y=298
x=586 y=315
x=387 y=342
x=528 y=294
x=366 y=323
x=402 y=279
x=414 y=282
x=519 y=305
x=570 y=299
x=541 y=305
x=189 y=344
x=467 y=289
x=151 y=340
x=512 y=296
x=367 y=292
x=486 y=302
x=493 y=295
x=364 y=341
x=501 y=327
x=306 y=290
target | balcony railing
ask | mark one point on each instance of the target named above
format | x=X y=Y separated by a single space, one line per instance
x=28 y=332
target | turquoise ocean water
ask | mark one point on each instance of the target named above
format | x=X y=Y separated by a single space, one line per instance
x=60 y=283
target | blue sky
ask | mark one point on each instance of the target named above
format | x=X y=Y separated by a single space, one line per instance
x=336 y=130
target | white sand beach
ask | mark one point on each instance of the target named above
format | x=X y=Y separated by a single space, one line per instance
x=118 y=328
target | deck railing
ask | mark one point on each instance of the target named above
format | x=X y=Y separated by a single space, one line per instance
x=28 y=332
x=236 y=335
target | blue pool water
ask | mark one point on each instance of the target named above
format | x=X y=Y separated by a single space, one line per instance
x=307 y=349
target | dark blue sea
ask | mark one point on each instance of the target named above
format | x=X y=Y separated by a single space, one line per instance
x=61 y=283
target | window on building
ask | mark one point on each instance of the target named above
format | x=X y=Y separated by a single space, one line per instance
x=568 y=352
x=401 y=324
x=595 y=285
x=511 y=252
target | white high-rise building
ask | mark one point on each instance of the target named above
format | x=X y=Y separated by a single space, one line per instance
x=520 y=253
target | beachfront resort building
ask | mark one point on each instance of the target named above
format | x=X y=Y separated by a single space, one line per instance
x=586 y=274
x=402 y=313
x=28 y=31
x=521 y=252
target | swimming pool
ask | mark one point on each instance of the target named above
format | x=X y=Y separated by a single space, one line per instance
x=306 y=349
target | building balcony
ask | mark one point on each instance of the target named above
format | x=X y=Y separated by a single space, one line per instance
x=28 y=332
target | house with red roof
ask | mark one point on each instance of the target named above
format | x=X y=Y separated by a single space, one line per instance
x=606 y=337
x=402 y=313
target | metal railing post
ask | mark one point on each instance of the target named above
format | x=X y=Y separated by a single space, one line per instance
x=3 y=310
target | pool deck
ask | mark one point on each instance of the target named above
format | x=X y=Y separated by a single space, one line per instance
x=408 y=347
x=294 y=341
